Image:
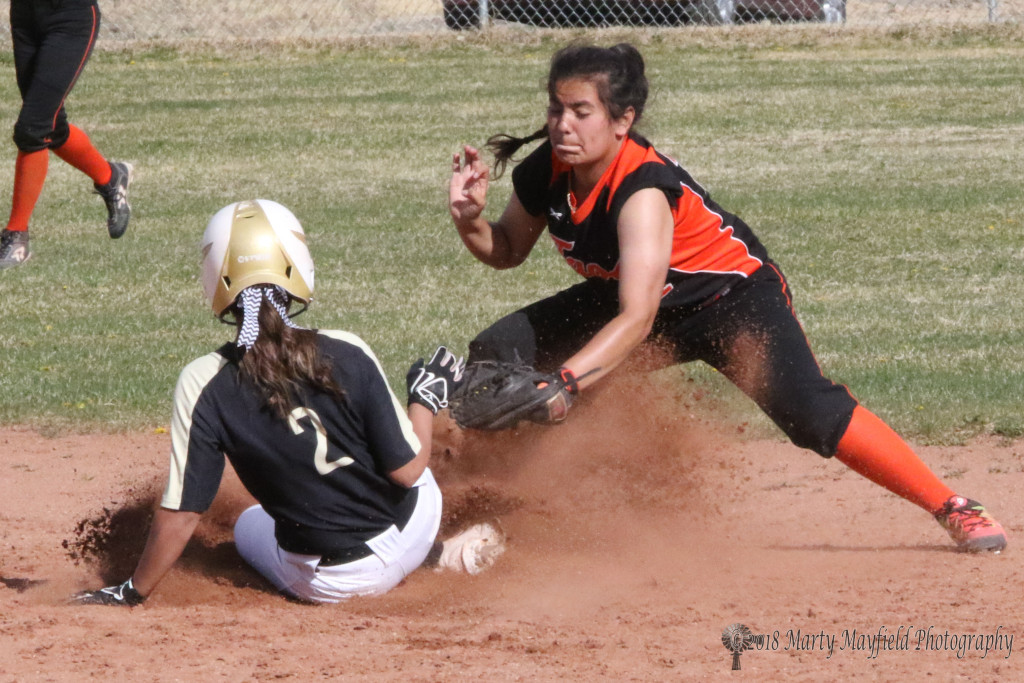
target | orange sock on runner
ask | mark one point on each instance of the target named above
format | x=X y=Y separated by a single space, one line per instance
x=79 y=152
x=29 y=176
x=871 y=448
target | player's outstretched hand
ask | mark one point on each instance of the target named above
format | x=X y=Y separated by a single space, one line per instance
x=467 y=191
x=432 y=383
x=123 y=594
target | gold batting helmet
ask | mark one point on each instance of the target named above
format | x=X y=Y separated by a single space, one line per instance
x=251 y=243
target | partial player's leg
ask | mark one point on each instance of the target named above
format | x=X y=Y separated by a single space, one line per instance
x=31 y=165
x=58 y=38
x=255 y=542
x=871 y=448
x=48 y=57
x=753 y=337
x=71 y=35
x=547 y=332
x=29 y=176
x=52 y=43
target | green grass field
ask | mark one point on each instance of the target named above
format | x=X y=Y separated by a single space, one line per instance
x=881 y=171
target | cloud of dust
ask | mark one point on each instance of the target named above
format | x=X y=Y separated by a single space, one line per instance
x=111 y=541
x=618 y=494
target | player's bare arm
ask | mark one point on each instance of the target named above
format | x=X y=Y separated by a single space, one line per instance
x=423 y=425
x=645 y=244
x=170 y=532
x=502 y=244
x=168 y=535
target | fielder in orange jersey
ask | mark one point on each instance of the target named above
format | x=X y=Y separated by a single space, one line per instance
x=662 y=260
x=52 y=42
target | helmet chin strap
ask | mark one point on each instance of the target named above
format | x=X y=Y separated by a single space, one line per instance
x=251 y=299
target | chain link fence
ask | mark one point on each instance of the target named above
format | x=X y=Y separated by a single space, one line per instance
x=227 y=20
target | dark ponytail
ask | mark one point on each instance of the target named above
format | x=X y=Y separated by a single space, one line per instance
x=503 y=146
x=282 y=359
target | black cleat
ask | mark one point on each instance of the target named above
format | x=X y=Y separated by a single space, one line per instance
x=13 y=249
x=115 y=195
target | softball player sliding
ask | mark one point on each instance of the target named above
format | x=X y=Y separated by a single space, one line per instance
x=52 y=42
x=347 y=503
x=661 y=259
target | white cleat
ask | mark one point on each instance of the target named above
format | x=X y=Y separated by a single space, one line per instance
x=474 y=549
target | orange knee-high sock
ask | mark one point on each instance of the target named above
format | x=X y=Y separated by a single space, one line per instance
x=871 y=448
x=29 y=176
x=79 y=152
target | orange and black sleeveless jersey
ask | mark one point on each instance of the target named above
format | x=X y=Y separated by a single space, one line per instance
x=322 y=473
x=711 y=249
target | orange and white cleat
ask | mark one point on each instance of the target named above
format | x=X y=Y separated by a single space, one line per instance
x=970 y=526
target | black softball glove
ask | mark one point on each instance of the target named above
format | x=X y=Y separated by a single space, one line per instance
x=498 y=395
x=432 y=384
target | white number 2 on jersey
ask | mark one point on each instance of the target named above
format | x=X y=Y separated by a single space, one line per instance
x=320 y=457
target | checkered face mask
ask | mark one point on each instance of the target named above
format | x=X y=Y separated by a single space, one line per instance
x=251 y=298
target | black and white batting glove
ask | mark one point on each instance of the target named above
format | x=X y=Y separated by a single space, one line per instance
x=432 y=384
x=123 y=594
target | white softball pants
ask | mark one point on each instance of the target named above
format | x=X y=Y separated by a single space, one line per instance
x=396 y=553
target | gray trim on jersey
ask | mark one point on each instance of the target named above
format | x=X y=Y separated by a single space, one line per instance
x=191 y=382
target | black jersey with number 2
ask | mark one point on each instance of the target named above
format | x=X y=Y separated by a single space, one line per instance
x=322 y=473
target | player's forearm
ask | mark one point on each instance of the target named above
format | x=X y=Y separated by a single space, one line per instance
x=423 y=426
x=168 y=536
x=486 y=243
x=645 y=242
x=609 y=348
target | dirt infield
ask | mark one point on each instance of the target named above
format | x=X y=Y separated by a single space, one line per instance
x=634 y=540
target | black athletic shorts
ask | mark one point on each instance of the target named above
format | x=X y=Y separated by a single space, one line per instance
x=52 y=41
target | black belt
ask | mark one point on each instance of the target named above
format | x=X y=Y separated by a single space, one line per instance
x=403 y=512
x=345 y=555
